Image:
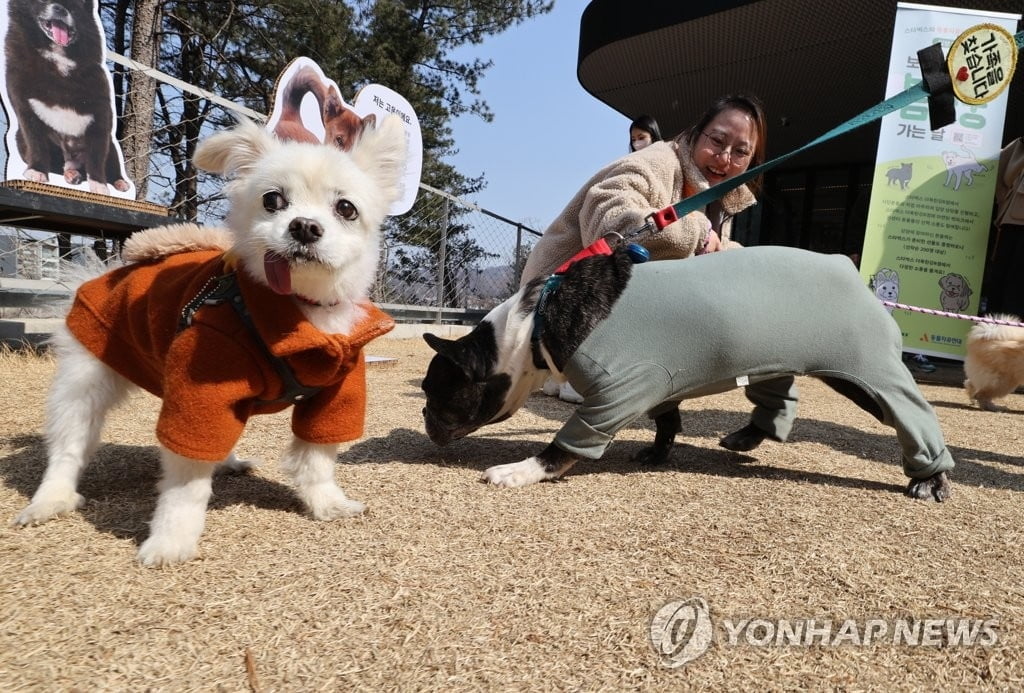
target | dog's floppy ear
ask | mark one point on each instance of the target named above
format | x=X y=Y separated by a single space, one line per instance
x=234 y=151
x=454 y=351
x=470 y=354
x=380 y=152
x=445 y=347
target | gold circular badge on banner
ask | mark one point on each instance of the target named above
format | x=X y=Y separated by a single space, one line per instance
x=981 y=62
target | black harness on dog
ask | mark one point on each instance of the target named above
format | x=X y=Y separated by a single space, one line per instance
x=550 y=284
x=217 y=290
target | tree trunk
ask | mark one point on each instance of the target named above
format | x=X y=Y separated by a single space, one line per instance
x=141 y=97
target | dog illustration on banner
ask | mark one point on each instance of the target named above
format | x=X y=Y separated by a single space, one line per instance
x=900 y=174
x=960 y=168
x=59 y=98
x=956 y=293
x=885 y=283
x=308 y=107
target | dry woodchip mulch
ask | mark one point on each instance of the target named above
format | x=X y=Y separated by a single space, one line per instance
x=448 y=584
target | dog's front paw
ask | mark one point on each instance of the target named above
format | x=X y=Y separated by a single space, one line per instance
x=48 y=506
x=936 y=487
x=162 y=550
x=516 y=474
x=328 y=502
x=37 y=176
x=73 y=176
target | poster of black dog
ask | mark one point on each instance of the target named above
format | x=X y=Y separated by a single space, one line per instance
x=58 y=97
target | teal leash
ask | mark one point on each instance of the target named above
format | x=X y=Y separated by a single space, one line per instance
x=662 y=218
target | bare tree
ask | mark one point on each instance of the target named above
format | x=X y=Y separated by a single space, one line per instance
x=140 y=98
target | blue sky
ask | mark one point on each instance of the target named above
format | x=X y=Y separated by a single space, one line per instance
x=548 y=135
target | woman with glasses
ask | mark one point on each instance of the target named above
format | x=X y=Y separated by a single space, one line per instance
x=727 y=140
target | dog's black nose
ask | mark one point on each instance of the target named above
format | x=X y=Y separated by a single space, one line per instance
x=305 y=230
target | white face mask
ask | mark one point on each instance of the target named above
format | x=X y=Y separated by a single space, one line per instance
x=640 y=144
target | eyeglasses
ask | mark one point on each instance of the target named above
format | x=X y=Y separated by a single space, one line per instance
x=737 y=155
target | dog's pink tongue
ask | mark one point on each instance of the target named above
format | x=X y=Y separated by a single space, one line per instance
x=60 y=34
x=279 y=276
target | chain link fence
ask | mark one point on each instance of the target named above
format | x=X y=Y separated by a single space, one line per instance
x=446 y=260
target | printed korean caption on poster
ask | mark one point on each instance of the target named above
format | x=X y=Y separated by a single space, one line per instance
x=932 y=191
x=308 y=107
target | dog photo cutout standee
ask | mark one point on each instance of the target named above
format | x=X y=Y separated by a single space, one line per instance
x=58 y=97
x=308 y=107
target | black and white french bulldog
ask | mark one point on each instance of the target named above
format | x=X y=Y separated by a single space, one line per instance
x=635 y=340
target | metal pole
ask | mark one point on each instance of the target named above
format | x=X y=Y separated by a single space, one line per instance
x=441 y=262
x=519 y=250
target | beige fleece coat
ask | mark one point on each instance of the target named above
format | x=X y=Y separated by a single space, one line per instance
x=620 y=197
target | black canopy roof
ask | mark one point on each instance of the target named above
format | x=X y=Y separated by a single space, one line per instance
x=814 y=63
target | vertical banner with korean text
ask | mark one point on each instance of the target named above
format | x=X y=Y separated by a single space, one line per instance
x=932 y=192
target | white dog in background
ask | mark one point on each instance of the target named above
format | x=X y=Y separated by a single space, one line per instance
x=994 y=366
x=304 y=240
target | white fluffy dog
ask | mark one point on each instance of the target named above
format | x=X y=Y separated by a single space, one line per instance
x=279 y=319
x=994 y=366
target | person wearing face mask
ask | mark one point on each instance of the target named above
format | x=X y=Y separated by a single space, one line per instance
x=643 y=131
x=726 y=140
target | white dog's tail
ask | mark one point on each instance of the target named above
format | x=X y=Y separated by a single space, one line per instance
x=153 y=244
x=991 y=331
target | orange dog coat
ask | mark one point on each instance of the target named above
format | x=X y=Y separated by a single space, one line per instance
x=211 y=375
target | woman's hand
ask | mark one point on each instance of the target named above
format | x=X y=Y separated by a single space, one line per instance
x=711 y=243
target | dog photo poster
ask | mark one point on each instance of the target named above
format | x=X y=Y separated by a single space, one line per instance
x=308 y=107
x=58 y=98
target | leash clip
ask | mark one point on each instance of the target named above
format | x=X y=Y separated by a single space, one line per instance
x=663 y=217
x=637 y=253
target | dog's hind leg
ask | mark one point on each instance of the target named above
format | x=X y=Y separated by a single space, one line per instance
x=551 y=463
x=937 y=487
x=667 y=427
x=83 y=391
x=311 y=468
x=180 y=510
x=987 y=404
x=888 y=392
x=988 y=390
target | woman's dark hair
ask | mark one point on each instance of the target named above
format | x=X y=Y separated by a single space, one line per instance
x=750 y=105
x=648 y=125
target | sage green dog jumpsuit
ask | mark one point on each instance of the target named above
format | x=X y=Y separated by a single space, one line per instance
x=688 y=328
